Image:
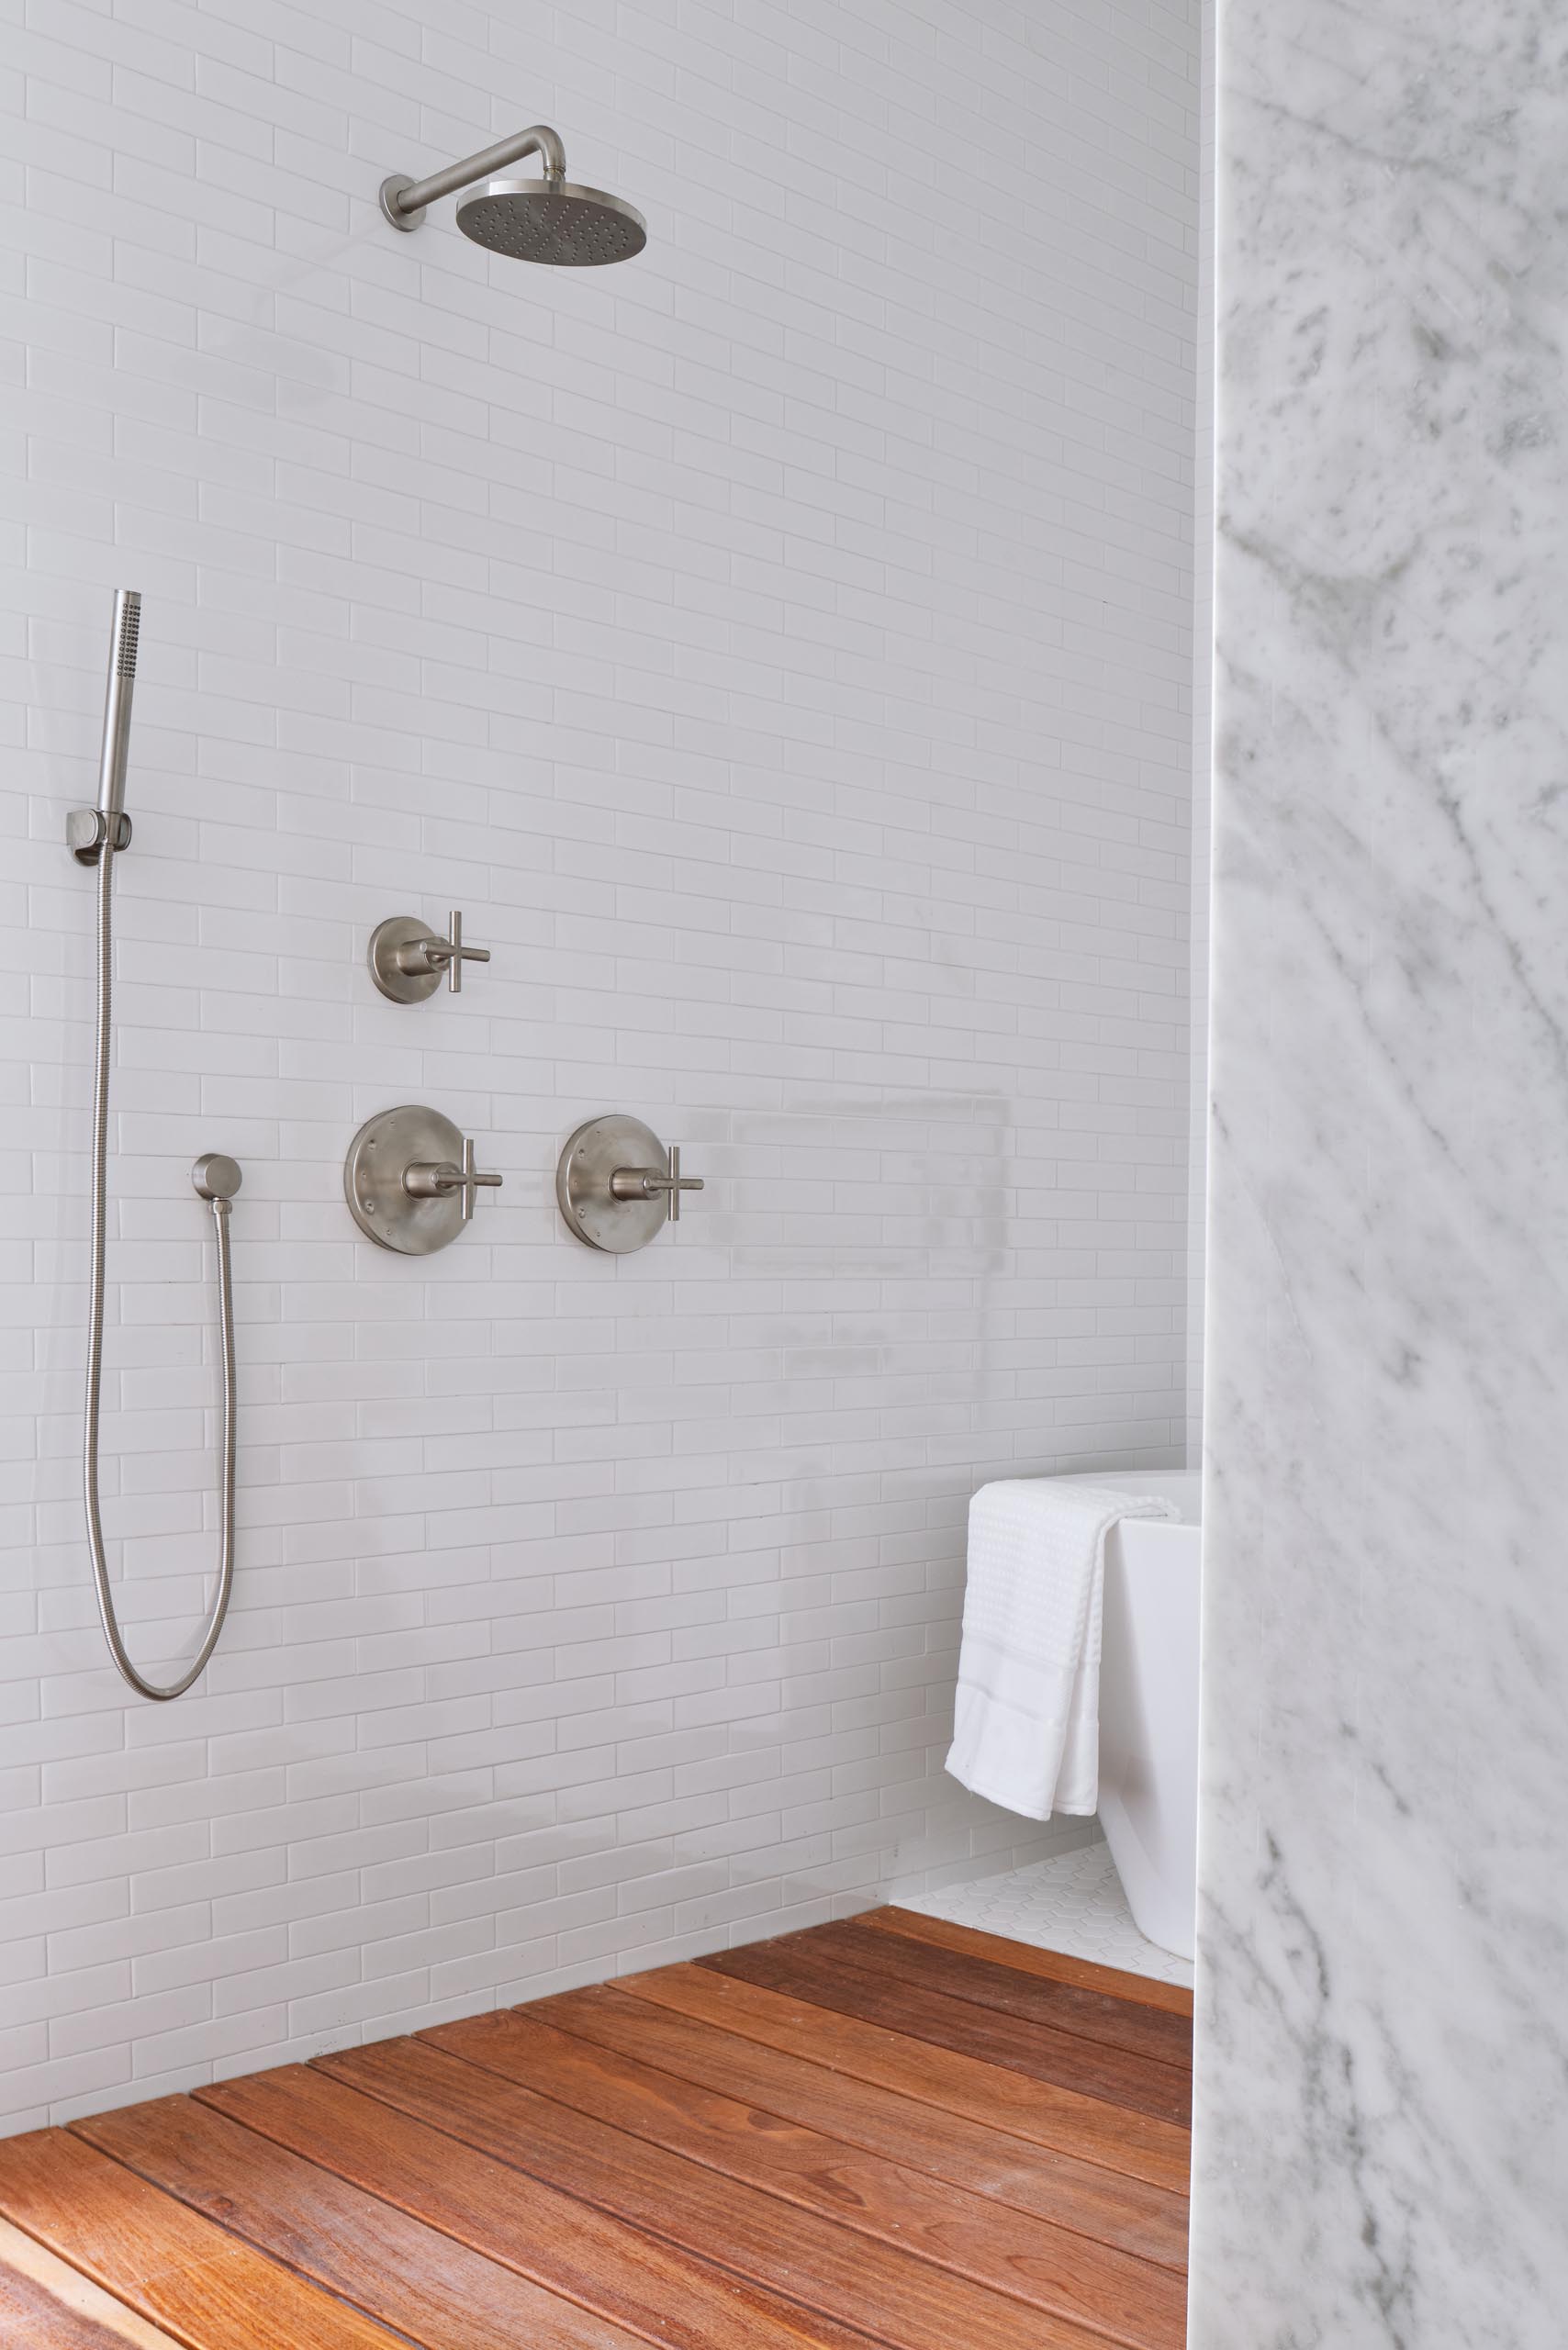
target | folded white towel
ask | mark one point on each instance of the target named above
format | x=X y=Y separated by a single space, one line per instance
x=1026 y=1725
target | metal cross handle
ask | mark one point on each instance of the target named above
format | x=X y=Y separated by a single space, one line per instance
x=433 y=1178
x=646 y=1183
x=447 y=953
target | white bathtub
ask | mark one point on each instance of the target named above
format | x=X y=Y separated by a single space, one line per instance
x=1148 y=1706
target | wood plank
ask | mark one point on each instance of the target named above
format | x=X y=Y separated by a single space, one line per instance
x=1089 y=2015
x=31 y=2318
x=1154 y=2151
x=428 y=2286
x=651 y=2288
x=804 y=1970
x=1057 y=1966
x=202 y=2284
x=865 y=2134
x=1148 y=2222
x=885 y=2293
x=45 y=2304
x=1028 y=2259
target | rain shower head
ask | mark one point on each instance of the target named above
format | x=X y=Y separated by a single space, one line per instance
x=554 y=221
x=548 y=219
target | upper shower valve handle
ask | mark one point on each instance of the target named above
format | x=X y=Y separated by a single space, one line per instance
x=407 y=957
x=403 y=200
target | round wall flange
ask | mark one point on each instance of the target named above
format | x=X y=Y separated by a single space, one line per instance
x=386 y=942
x=216 y=1176
x=379 y=1156
x=391 y=189
x=603 y=1148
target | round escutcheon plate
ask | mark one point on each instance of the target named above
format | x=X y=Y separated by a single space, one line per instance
x=594 y=1154
x=386 y=940
x=373 y=1179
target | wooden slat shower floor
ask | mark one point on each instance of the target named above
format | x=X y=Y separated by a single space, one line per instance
x=893 y=2130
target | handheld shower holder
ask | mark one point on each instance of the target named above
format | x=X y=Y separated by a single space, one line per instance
x=86 y=829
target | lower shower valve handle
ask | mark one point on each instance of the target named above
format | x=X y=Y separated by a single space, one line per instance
x=412 y=1182
x=428 y=1180
x=617 y=1186
x=650 y=1182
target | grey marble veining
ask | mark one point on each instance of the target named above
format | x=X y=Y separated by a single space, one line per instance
x=1382 y=2138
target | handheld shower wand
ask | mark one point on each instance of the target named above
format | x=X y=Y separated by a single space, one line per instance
x=86 y=829
x=116 y=705
x=95 y=835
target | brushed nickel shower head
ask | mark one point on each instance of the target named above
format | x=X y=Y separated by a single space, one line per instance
x=550 y=220
x=566 y=227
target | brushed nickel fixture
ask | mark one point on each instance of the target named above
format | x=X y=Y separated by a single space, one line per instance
x=407 y=958
x=86 y=829
x=96 y=836
x=215 y=1177
x=550 y=220
x=411 y=1180
x=617 y=1185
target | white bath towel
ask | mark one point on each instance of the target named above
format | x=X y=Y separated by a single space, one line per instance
x=1026 y=1725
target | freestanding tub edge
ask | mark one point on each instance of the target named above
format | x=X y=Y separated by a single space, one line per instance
x=1149 y=1706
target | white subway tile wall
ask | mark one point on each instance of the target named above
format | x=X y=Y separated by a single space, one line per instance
x=779 y=649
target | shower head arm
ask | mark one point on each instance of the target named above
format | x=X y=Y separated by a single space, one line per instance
x=404 y=200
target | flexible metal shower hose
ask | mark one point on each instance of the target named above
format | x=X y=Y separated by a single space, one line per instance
x=95 y=1339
